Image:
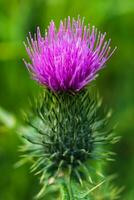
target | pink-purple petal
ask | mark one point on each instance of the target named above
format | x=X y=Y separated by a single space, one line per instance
x=67 y=58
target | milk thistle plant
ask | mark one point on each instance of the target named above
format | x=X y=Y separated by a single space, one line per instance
x=67 y=132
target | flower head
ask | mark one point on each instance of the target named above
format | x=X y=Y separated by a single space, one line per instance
x=68 y=58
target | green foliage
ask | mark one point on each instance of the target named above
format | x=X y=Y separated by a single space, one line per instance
x=6 y=119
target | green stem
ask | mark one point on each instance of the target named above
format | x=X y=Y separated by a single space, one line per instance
x=68 y=187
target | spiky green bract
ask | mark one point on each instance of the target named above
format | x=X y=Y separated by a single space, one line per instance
x=104 y=190
x=66 y=133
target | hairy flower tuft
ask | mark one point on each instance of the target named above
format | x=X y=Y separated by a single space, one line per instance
x=68 y=58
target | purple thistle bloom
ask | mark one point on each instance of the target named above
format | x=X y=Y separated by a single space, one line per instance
x=69 y=58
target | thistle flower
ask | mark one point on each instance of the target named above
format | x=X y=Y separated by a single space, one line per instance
x=66 y=132
x=69 y=58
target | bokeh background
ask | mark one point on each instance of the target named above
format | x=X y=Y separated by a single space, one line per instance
x=115 y=83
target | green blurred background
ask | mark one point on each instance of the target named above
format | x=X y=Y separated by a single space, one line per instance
x=115 y=83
